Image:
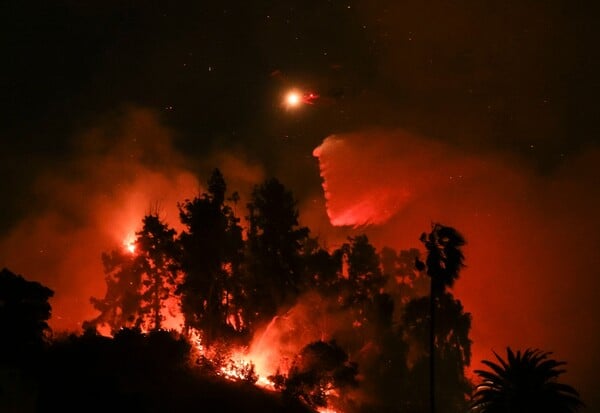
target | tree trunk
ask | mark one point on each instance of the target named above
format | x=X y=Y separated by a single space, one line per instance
x=432 y=311
x=157 y=320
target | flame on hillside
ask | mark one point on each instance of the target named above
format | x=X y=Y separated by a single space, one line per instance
x=271 y=353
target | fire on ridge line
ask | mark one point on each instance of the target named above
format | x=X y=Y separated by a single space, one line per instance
x=238 y=367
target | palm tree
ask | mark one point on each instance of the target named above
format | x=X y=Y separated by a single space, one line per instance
x=444 y=262
x=524 y=383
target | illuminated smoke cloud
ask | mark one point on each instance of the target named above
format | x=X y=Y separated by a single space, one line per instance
x=368 y=178
x=124 y=168
x=355 y=207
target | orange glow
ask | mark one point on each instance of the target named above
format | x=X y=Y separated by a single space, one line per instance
x=238 y=367
x=515 y=222
x=130 y=246
x=520 y=227
x=293 y=99
x=273 y=349
x=173 y=318
x=239 y=364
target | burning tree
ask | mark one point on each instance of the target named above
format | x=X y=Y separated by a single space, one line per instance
x=120 y=305
x=139 y=283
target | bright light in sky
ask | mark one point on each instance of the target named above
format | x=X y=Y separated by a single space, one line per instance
x=293 y=99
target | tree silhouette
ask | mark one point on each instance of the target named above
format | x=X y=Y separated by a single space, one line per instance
x=275 y=244
x=156 y=257
x=452 y=350
x=24 y=312
x=403 y=280
x=321 y=368
x=444 y=262
x=211 y=260
x=364 y=271
x=365 y=279
x=524 y=382
x=322 y=269
x=138 y=283
x=121 y=303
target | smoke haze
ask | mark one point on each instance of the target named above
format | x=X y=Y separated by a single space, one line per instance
x=478 y=115
x=123 y=168
x=532 y=266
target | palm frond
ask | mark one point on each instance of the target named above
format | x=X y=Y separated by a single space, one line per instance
x=525 y=381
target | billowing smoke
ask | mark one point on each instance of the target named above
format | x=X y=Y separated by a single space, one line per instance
x=122 y=168
x=532 y=261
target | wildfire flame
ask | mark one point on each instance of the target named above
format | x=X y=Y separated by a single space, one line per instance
x=265 y=357
x=129 y=244
x=241 y=365
x=258 y=364
x=269 y=353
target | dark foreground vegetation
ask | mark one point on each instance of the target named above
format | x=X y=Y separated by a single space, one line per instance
x=133 y=372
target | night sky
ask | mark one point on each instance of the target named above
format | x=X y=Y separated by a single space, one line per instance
x=480 y=115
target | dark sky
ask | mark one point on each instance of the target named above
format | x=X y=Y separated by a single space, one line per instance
x=107 y=107
x=488 y=75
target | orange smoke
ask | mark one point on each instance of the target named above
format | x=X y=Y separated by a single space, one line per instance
x=531 y=276
x=125 y=168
